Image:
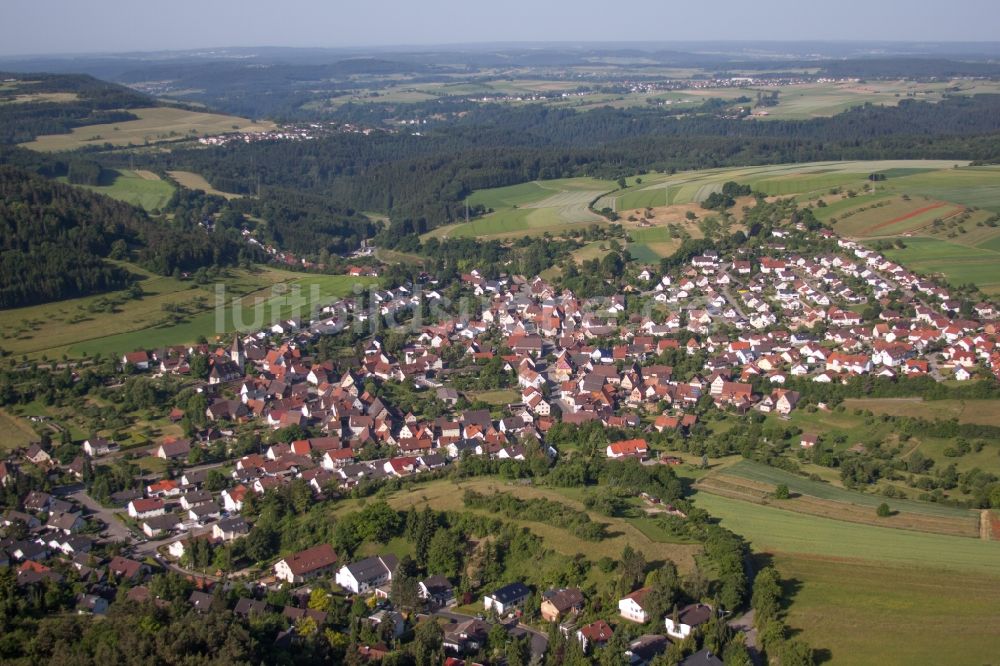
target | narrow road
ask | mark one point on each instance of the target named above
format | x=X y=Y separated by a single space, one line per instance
x=744 y=624
x=984 y=524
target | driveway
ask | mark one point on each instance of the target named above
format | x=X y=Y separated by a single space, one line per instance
x=115 y=529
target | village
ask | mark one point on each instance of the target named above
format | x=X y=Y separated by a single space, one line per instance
x=756 y=321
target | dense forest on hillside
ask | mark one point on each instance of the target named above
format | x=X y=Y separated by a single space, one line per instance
x=496 y=146
x=54 y=240
x=97 y=102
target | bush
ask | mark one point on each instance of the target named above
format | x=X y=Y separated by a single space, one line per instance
x=781 y=492
x=883 y=510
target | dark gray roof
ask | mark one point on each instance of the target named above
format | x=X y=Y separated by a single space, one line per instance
x=511 y=593
x=373 y=567
x=703 y=658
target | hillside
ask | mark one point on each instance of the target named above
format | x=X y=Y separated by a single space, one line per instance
x=56 y=239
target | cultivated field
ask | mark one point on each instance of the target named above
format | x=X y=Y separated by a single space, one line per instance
x=874 y=613
x=814 y=178
x=754 y=483
x=139 y=188
x=776 y=530
x=195 y=181
x=155 y=125
x=531 y=209
x=85 y=325
x=956 y=263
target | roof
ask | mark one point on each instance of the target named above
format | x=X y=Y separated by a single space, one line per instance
x=510 y=593
x=564 y=599
x=695 y=614
x=703 y=658
x=597 y=631
x=373 y=567
x=628 y=447
x=311 y=559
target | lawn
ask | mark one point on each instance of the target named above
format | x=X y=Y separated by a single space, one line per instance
x=195 y=181
x=959 y=264
x=878 y=613
x=776 y=530
x=155 y=124
x=498 y=397
x=139 y=188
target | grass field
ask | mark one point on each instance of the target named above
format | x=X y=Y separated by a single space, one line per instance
x=79 y=325
x=844 y=579
x=139 y=188
x=776 y=530
x=16 y=432
x=983 y=412
x=957 y=263
x=778 y=180
x=874 y=613
x=754 y=483
x=445 y=495
x=194 y=181
x=498 y=397
x=155 y=124
x=297 y=298
x=531 y=209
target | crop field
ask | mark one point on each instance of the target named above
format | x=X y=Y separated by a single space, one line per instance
x=531 y=209
x=84 y=324
x=776 y=530
x=869 y=613
x=957 y=263
x=155 y=124
x=139 y=188
x=778 y=180
x=195 y=181
x=894 y=216
x=446 y=495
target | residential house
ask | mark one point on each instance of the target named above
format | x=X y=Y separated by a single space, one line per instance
x=630 y=606
x=367 y=574
x=557 y=603
x=687 y=620
x=507 y=597
x=306 y=564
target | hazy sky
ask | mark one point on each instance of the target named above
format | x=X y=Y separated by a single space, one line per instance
x=78 y=26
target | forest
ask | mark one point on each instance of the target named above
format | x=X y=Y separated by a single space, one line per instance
x=55 y=239
x=494 y=146
x=97 y=102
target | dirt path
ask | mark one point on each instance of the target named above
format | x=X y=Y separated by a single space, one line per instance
x=984 y=524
